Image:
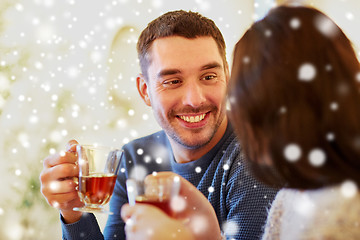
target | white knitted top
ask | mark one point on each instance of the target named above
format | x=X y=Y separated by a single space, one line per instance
x=330 y=213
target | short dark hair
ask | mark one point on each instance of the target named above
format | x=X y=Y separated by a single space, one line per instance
x=295 y=80
x=177 y=23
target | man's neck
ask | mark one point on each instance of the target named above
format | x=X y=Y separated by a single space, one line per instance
x=185 y=155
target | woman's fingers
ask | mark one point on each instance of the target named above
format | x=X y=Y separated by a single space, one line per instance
x=192 y=207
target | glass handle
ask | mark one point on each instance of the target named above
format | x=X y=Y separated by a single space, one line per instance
x=132 y=191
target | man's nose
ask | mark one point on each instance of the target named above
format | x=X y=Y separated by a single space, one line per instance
x=194 y=95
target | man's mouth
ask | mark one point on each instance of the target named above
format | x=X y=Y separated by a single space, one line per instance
x=192 y=118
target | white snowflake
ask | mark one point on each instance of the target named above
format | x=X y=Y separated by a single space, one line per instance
x=158 y=160
x=325 y=26
x=317 y=157
x=357 y=77
x=140 y=151
x=18 y=172
x=334 y=106
x=55 y=204
x=178 y=204
x=55 y=136
x=349 y=189
x=147 y=158
x=33 y=119
x=157 y=4
x=303 y=205
x=268 y=33
x=330 y=136
x=295 y=23
x=306 y=72
x=131 y=112
x=328 y=67
x=246 y=59
x=349 y=16
x=199 y=224
x=230 y=228
x=292 y=152
x=72 y=72
x=138 y=173
x=38 y=65
x=52 y=151
x=283 y=110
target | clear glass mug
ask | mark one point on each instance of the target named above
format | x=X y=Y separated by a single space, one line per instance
x=98 y=170
x=158 y=192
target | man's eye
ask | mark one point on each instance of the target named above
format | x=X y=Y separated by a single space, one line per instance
x=171 y=82
x=209 y=77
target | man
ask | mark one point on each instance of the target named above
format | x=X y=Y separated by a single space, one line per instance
x=184 y=79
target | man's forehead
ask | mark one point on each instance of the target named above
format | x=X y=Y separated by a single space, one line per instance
x=176 y=48
x=167 y=52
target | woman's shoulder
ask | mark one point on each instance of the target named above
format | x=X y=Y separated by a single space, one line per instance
x=314 y=214
x=337 y=213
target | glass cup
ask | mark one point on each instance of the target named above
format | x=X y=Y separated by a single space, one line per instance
x=98 y=169
x=158 y=192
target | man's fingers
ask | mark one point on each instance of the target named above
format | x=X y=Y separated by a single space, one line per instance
x=66 y=201
x=71 y=146
x=63 y=171
x=59 y=187
x=59 y=158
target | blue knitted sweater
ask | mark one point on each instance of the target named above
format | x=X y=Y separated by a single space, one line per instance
x=240 y=201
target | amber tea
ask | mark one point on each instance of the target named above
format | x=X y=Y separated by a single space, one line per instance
x=155 y=191
x=96 y=188
x=98 y=169
x=163 y=204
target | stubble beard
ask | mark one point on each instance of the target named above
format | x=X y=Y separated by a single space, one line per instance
x=195 y=142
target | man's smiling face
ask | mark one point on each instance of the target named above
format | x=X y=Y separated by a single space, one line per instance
x=186 y=89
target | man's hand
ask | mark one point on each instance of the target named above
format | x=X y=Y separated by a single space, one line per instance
x=57 y=184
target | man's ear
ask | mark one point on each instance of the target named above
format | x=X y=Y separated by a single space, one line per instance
x=142 y=87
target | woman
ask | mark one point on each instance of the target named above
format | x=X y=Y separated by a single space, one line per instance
x=295 y=104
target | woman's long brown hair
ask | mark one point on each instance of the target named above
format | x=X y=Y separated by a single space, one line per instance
x=295 y=82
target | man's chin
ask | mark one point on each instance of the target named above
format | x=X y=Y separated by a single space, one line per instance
x=191 y=139
x=193 y=143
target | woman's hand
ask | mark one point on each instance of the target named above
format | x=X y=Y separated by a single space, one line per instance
x=146 y=222
x=193 y=217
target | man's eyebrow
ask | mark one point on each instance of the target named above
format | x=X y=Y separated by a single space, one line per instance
x=211 y=66
x=172 y=71
x=167 y=72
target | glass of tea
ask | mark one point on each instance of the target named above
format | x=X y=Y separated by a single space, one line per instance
x=155 y=191
x=98 y=169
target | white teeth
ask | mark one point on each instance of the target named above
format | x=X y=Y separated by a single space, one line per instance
x=193 y=119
